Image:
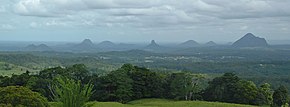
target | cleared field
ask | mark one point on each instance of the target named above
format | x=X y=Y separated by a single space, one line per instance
x=161 y=103
x=7 y=69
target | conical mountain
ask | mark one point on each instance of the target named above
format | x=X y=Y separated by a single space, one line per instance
x=86 y=42
x=85 y=45
x=189 y=43
x=210 y=43
x=106 y=44
x=152 y=45
x=44 y=47
x=250 y=40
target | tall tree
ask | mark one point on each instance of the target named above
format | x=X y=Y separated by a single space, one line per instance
x=280 y=96
x=246 y=92
x=180 y=85
x=146 y=84
x=265 y=95
x=222 y=88
x=116 y=86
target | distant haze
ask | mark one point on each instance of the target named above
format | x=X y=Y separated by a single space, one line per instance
x=133 y=21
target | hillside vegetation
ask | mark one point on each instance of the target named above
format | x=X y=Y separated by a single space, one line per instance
x=7 y=69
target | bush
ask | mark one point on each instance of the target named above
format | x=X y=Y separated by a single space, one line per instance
x=21 y=96
x=71 y=93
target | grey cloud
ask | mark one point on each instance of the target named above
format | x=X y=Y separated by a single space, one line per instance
x=226 y=9
x=107 y=4
x=154 y=14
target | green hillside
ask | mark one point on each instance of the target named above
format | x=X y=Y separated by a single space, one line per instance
x=7 y=69
x=161 y=103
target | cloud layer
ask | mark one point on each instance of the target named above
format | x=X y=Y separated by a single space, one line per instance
x=153 y=16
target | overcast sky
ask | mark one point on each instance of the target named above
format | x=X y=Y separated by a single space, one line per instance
x=143 y=20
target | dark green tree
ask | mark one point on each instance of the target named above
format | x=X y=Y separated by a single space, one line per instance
x=280 y=96
x=222 y=88
x=146 y=84
x=180 y=85
x=40 y=85
x=78 y=72
x=53 y=72
x=246 y=92
x=116 y=86
x=265 y=95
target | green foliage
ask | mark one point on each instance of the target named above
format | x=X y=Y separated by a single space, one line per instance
x=15 y=80
x=264 y=96
x=40 y=85
x=116 y=86
x=280 y=96
x=246 y=92
x=21 y=96
x=77 y=72
x=6 y=105
x=180 y=85
x=229 y=88
x=222 y=88
x=132 y=82
x=71 y=93
x=146 y=84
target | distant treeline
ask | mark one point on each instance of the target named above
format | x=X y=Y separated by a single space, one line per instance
x=132 y=82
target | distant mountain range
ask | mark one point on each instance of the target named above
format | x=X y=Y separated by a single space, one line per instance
x=250 y=40
x=41 y=47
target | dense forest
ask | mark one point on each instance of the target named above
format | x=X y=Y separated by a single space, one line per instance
x=132 y=82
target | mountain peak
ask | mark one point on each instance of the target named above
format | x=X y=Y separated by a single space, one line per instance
x=153 y=42
x=250 y=40
x=249 y=35
x=87 y=42
x=85 y=46
x=41 y=47
x=189 y=43
x=106 y=44
x=211 y=43
x=152 y=45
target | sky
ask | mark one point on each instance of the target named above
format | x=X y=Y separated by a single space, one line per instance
x=143 y=20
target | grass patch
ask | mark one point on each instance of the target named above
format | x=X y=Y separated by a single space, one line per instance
x=171 y=103
x=161 y=103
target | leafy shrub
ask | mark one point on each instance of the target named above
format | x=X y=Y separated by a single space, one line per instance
x=71 y=93
x=21 y=96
